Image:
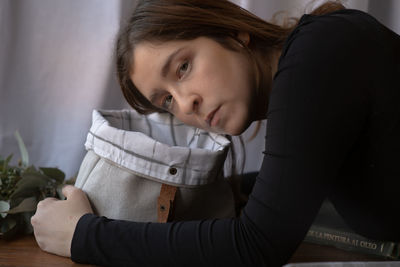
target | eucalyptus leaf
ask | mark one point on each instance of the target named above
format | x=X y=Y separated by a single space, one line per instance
x=26 y=205
x=59 y=192
x=54 y=173
x=6 y=161
x=22 y=149
x=26 y=218
x=30 y=184
x=30 y=169
x=4 y=164
x=8 y=226
x=4 y=208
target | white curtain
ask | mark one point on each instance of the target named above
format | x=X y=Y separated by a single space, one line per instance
x=56 y=66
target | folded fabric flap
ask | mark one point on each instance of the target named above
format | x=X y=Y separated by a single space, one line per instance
x=184 y=156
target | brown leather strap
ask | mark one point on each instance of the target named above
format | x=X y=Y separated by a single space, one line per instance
x=165 y=205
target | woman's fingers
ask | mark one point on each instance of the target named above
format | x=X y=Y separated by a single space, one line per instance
x=46 y=200
x=55 y=220
x=68 y=190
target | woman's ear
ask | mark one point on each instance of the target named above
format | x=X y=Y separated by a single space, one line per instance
x=244 y=38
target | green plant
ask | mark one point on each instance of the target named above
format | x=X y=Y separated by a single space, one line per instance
x=21 y=188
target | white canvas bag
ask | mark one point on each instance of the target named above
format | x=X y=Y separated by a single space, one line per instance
x=147 y=168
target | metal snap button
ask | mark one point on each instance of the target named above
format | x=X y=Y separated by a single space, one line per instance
x=173 y=171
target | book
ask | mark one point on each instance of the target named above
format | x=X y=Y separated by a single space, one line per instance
x=330 y=229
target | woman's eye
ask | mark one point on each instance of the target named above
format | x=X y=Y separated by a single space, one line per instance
x=167 y=102
x=182 y=69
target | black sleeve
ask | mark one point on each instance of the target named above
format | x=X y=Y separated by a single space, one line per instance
x=317 y=108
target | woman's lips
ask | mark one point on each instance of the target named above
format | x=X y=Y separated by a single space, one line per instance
x=211 y=120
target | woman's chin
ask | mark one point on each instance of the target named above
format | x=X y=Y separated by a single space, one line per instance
x=237 y=130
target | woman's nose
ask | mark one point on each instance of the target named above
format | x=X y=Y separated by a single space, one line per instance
x=190 y=104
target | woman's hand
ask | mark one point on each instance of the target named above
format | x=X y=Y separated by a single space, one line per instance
x=55 y=220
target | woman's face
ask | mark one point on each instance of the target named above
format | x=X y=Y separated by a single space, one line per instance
x=200 y=82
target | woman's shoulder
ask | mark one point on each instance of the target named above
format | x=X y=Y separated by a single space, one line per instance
x=353 y=17
x=342 y=32
x=347 y=21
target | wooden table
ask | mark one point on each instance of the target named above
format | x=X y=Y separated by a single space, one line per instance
x=24 y=251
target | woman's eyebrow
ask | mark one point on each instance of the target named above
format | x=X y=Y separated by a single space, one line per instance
x=167 y=63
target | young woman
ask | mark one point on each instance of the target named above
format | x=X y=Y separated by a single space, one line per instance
x=328 y=87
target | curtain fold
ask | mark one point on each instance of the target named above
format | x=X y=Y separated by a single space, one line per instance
x=387 y=12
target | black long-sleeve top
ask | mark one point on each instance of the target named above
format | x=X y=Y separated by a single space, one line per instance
x=333 y=132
